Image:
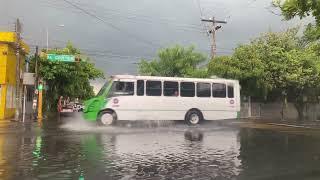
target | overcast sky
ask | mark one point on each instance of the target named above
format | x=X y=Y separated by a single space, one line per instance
x=123 y=31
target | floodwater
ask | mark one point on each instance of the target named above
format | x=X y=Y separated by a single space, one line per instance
x=72 y=149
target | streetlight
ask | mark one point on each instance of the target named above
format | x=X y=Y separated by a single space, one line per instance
x=60 y=25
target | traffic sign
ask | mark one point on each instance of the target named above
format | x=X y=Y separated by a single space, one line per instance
x=61 y=57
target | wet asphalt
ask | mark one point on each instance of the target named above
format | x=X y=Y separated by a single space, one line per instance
x=70 y=148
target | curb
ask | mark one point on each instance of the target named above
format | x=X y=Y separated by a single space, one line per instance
x=295 y=126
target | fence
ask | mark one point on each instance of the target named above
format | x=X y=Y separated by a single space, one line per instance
x=272 y=111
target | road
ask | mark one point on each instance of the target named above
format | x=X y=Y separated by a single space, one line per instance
x=70 y=148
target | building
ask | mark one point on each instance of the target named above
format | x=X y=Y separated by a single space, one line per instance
x=9 y=43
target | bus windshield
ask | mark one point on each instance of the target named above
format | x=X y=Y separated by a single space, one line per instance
x=103 y=88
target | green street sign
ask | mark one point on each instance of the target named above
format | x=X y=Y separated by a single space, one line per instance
x=40 y=87
x=58 y=57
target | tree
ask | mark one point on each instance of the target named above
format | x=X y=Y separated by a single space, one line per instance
x=273 y=62
x=67 y=79
x=302 y=8
x=311 y=35
x=175 y=61
x=304 y=77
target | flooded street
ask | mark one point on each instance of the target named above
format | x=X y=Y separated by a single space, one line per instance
x=72 y=149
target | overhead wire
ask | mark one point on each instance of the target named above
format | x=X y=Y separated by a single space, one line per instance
x=99 y=53
x=160 y=20
x=95 y=51
x=183 y=27
x=133 y=17
x=133 y=14
x=204 y=25
x=110 y=24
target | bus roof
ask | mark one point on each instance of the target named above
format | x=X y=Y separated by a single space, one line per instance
x=173 y=78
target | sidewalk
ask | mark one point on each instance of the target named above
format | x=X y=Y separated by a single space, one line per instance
x=303 y=124
x=289 y=127
x=28 y=118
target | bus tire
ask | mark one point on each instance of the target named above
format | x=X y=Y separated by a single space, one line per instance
x=106 y=118
x=194 y=117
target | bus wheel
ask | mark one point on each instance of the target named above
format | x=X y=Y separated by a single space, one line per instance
x=106 y=118
x=194 y=117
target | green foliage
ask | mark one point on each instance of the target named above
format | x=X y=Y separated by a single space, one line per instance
x=311 y=33
x=273 y=62
x=176 y=61
x=301 y=8
x=67 y=79
x=310 y=41
x=262 y=65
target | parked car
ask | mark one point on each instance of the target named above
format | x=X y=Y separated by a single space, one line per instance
x=72 y=107
x=77 y=107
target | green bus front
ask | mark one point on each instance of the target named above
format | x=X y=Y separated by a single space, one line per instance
x=93 y=106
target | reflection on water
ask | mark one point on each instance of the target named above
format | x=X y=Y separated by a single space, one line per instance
x=193 y=135
x=278 y=155
x=204 y=152
x=3 y=161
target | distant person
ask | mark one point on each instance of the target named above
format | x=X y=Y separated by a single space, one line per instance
x=64 y=101
x=60 y=104
x=176 y=93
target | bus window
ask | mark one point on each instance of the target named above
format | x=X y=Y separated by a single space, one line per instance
x=153 y=88
x=120 y=88
x=230 y=91
x=140 y=88
x=218 y=90
x=187 y=89
x=203 y=90
x=170 y=88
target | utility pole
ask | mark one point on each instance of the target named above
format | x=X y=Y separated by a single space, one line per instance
x=47 y=39
x=18 y=91
x=36 y=67
x=212 y=31
x=25 y=95
x=34 y=103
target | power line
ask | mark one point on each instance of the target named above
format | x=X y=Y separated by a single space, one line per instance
x=110 y=24
x=133 y=17
x=101 y=53
x=152 y=19
x=199 y=6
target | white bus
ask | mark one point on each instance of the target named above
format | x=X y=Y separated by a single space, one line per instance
x=129 y=97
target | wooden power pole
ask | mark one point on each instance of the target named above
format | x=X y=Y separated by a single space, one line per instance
x=212 y=31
